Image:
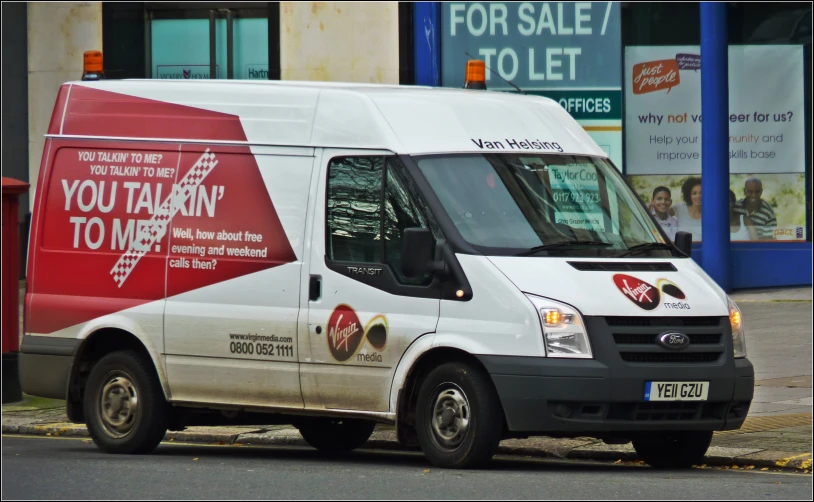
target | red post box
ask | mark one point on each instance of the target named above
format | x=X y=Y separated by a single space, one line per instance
x=11 y=291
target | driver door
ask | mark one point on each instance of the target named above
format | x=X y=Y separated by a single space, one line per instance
x=363 y=312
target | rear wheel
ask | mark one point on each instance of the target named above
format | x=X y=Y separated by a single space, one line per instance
x=674 y=449
x=335 y=435
x=124 y=404
x=459 y=419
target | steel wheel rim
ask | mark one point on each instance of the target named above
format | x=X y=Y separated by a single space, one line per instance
x=450 y=416
x=118 y=404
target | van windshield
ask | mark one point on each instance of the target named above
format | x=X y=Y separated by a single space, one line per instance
x=514 y=204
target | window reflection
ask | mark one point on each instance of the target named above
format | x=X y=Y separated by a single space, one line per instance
x=354 y=209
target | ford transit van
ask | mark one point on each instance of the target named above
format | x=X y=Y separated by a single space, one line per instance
x=465 y=265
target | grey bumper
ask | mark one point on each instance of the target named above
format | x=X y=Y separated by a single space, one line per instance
x=45 y=365
x=606 y=394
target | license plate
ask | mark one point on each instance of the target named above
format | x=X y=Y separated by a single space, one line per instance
x=676 y=391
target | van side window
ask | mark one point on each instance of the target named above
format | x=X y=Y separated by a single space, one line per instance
x=369 y=197
x=400 y=212
x=354 y=209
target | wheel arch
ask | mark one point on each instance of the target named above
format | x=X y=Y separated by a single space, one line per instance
x=430 y=359
x=93 y=348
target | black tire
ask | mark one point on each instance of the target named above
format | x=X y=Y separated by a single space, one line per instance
x=674 y=449
x=440 y=415
x=125 y=374
x=335 y=435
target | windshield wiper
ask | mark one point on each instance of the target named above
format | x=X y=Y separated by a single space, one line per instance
x=648 y=246
x=563 y=244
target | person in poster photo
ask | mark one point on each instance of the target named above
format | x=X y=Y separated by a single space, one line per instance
x=688 y=211
x=757 y=209
x=660 y=208
x=741 y=227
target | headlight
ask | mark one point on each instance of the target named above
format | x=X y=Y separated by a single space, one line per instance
x=564 y=331
x=738 y=335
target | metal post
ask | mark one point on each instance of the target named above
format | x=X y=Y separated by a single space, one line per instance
x=275 y=60
x=230 y=71
x=213 y=65
x=715 y=258
x=427 y=43
x=148 y=44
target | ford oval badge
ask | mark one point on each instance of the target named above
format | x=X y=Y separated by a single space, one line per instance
x=674 y=341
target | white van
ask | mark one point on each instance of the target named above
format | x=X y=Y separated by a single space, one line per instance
x=465 y=265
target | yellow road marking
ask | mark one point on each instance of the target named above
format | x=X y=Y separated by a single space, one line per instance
x=785 y=461
x=760 y=424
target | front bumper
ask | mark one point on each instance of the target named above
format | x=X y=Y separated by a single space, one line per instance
x=550 y=396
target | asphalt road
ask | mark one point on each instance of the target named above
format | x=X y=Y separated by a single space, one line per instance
x=67 y=468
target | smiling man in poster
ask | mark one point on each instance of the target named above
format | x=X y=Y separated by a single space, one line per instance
x=757 y=209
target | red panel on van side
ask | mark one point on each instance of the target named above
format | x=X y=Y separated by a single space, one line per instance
x=228 y=227
x=116 y=215
x=93 y=112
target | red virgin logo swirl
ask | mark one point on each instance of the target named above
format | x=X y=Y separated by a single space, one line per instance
x=346 y=334
x=639 y=292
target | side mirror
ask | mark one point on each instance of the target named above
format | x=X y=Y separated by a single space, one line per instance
x=683 y=242
x=418 y=252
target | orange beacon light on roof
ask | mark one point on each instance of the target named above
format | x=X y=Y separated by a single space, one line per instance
x=475 y=75
x=93 y=68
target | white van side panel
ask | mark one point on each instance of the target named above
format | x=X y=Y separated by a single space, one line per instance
x=236 y=342
x=413 y=353
x=498 y=320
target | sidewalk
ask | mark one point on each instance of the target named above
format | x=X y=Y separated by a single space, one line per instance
x=777 y=433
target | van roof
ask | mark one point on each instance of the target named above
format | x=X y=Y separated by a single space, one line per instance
x=400 y=119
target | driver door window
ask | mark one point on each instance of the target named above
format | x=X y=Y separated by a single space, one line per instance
x=369 y=207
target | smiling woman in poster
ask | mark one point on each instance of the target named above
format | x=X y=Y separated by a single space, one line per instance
x=688 y=211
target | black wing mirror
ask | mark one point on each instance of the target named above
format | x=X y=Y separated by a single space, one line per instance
x=683 y=241
x=418 y=253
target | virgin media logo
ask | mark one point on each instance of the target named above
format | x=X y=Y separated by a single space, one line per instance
x=345 y=333
x=639 y=292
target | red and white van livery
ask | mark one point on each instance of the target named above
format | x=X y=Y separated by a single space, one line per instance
x=467 y=265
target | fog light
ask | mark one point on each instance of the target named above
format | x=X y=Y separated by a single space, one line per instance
x=561 y=410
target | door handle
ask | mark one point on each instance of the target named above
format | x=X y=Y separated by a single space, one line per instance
x=315 y=288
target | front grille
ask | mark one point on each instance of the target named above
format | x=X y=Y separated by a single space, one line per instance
x=636 y=339
x=667 y=322
x=695 y=339
x=692 y=357
x=593 y=266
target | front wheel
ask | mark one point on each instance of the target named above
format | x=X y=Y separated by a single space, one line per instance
x=124 y=404
x=674 y=449
x=334 y=435
x=459 y=419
